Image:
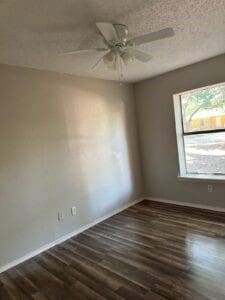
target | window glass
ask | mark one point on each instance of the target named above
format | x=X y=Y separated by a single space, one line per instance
x=204 y=109
x=205 y=153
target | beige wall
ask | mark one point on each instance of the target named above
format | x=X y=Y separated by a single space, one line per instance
x=154 y=105
x=64 y=141
x=68 y=141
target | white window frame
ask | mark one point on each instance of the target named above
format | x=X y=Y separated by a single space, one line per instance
x=183 y=175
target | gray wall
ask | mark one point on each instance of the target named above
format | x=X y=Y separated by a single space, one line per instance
x=68 y=141
x=64 y=141
x=154 y=103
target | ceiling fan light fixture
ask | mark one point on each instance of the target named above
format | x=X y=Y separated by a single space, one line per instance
x=111 y=65
x=109 y=57
x=127 y=58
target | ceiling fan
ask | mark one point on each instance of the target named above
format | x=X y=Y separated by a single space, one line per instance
x=119 y=47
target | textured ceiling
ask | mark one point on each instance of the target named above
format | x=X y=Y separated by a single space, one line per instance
x=33 y=32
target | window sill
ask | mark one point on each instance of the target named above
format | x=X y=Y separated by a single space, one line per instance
x=202 y=178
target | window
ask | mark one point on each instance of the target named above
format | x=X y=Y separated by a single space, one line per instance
x=200 y=127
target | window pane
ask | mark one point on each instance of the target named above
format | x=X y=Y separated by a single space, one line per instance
x=204 y=109
x=205 y=153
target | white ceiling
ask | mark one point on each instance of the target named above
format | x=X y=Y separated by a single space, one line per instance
x=33 y=32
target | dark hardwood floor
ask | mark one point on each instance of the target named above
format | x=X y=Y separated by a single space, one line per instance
x=149 y=251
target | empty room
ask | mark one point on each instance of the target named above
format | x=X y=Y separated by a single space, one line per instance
x=112 y=149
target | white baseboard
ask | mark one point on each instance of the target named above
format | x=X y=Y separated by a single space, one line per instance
x=213 y=208
x=65 y=237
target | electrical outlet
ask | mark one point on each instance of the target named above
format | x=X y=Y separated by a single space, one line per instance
x=210 y=188
x=73 y=210
x=60 y=216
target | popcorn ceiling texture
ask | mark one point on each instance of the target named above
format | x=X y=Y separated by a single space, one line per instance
x=32 y=33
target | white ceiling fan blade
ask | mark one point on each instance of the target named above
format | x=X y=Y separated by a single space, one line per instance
x=83 y=51
x=126 y=57
x=139 y=55
x=122 y=32
x=99 y=60
x=97 y=63
x=108 y=31
x=153 y=36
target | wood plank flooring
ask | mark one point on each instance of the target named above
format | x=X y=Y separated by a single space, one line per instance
x=149 y=251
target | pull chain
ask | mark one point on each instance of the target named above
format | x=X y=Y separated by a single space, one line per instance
x=120 y=70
